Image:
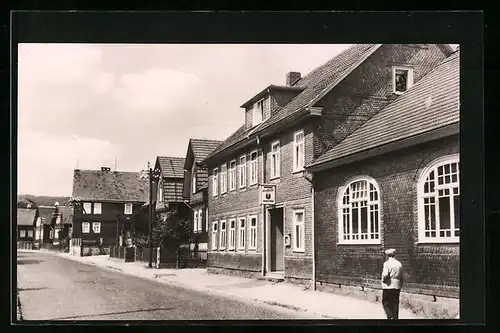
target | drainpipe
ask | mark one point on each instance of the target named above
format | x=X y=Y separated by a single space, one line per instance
x=313 y=241
x=312 y=232
x=264 y=222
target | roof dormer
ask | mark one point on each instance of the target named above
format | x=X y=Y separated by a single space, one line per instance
x=263 y=105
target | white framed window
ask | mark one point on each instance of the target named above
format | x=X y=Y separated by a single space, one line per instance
x=215 y=226
x=96 y=227
x=22 y=233
x=275 y=159
x=223 y=235
x=193 y=182
x=241 y=234
x=97 y=208
x=232 y=234
x=232 y=175
x=258 y=112
x=85 y=227
x=200 y=220
x=206 y=218
x=127 y=209
x=298 y=230
x=195 y=221
x=439 y=201
x=402 y=79
x=87 y=208
x=215 y=182
x=243 y=171
x=223 y=179
x=56 y=233
x=30 y=234
x=254 y=169
x=298 y=151
x=359 y=212
x=253 y=233
x=160 y=190
x=51 y=234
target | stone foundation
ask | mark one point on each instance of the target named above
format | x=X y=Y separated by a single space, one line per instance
x=432 y=307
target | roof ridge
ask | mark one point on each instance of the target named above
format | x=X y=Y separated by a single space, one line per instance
x=416 y=94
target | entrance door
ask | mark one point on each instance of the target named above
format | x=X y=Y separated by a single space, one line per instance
x=277 y=248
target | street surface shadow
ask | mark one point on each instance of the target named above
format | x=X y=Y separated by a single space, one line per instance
x=111 y=314
x=29 y=261
x=32 y=289
x=249 y=284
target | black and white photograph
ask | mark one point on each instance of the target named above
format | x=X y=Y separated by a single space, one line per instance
x=237 y=181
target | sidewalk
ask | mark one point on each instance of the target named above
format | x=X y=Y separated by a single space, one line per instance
x=282 y=294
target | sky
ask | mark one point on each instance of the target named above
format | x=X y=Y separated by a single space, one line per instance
x=86 y=105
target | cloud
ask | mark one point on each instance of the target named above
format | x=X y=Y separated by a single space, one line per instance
x=56 y=63
x=46 y=162
x=156 y=88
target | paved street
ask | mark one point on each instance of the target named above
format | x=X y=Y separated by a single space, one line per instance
x=55 y=288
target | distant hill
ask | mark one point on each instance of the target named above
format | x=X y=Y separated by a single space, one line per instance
x=43 y=200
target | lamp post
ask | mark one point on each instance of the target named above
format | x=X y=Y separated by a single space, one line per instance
x=154 y=176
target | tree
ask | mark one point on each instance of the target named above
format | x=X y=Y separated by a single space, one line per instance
x=26 y=203
x=170 y=232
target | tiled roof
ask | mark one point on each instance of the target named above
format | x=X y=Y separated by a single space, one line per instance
x=119 y=186
x=201 y=148
x=45 y=212
x=314 y=84
x=238 y=135
x=67 y=214
x=171 y=167
x=26 y=217
x=431 y=103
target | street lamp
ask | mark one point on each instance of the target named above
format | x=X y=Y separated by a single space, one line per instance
x=154 y=176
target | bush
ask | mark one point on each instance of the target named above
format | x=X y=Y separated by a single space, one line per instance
x=169 y=232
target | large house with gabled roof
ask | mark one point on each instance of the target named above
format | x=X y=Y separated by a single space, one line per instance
x=286 y=128
x=196 y=188
x=26 y=218
x=106 y=205
x=395 y=183
x=169 y=194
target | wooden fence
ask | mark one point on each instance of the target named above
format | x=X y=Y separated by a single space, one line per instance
x=25 y=245
x=162 y=257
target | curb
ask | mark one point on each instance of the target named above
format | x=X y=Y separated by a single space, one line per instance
x=19 y=311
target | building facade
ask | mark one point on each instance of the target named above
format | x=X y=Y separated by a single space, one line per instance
x=286 y=128
x=395 y=183
x=196 y=190
x=169 y=193
x=26 y=218
x=106 y=206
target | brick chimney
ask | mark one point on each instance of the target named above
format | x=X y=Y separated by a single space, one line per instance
x=292 y=78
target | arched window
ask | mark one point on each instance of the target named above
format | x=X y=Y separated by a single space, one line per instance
x=439 y=201
x=359 y=212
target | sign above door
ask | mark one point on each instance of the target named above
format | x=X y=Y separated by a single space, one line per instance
x=267 y=194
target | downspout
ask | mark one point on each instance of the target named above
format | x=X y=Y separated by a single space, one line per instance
x=313 y=240
x=264 y=222
x=313 y=245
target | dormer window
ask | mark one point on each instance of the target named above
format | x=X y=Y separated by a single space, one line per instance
x=402 y=79
x=258 y=112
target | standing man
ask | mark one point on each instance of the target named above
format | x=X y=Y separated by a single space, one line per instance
x=392 y=281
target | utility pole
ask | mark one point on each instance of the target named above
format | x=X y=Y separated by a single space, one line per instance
x=150 y=216
x=154 y=176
